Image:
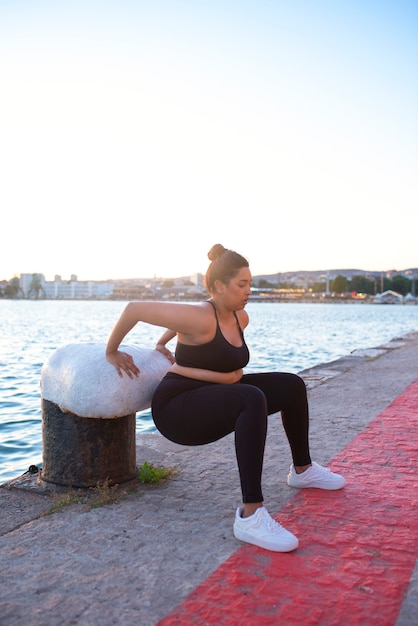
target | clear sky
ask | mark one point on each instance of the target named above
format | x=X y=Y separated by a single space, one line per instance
x=135 y=134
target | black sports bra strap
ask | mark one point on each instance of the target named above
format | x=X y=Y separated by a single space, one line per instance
x=235 y=315
x=214 y=307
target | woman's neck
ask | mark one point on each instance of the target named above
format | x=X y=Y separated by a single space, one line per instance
x=222 y=311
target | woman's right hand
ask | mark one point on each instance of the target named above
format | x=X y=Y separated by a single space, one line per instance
x=123 y=362
x=235 y=376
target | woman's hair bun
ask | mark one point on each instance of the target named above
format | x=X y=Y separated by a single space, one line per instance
x=225 y=264
x=216 y=251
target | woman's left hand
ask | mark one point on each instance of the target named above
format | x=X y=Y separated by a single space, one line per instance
x=165 y=352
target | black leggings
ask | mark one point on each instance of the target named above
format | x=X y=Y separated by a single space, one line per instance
x=193 y=413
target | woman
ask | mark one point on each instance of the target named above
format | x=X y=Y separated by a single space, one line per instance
x=206 y=396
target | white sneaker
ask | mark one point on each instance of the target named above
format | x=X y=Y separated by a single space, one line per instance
x=315 y=476
x=262 y=530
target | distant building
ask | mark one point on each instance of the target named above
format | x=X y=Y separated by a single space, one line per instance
x=64 y=290
x=388 y=297
x=197 y=279
x=26 y=280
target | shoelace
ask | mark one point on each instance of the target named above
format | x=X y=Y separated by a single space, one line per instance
x=270 y=524
x=320 y=469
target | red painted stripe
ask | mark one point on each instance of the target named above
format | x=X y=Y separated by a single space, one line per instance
x=358 y=546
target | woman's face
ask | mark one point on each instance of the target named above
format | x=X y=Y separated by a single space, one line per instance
x=235 y=294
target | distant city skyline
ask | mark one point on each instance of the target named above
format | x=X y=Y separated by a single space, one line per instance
x=354 y=283
x=332 y=271
x=134 y=136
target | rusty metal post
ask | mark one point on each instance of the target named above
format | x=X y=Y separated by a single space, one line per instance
x=83 y=452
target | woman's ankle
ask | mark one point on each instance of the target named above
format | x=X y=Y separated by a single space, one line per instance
x=249 y=508
x=299 y=469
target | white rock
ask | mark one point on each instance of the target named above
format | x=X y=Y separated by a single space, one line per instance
x=79 y=379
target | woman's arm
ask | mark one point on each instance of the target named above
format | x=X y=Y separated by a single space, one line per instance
x=189 y=319
x=209 y=376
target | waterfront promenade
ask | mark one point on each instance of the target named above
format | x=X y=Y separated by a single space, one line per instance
x=166 y=554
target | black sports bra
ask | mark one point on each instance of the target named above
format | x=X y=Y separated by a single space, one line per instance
x=217 y=355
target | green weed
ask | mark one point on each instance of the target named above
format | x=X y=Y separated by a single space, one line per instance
x=152 y=474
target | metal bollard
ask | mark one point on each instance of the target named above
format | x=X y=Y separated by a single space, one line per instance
x=83 y=452
x=89 y=414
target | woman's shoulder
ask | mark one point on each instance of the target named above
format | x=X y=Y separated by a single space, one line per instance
x=198 y=323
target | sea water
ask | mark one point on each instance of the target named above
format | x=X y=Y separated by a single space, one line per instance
x=281 y=337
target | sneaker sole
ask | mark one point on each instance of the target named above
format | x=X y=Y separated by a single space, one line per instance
x=325 y=487
x=247 y=538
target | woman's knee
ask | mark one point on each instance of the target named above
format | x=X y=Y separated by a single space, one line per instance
x=254 y=399
x=294 y=383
